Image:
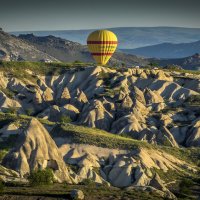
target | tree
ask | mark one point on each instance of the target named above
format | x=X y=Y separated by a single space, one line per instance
x=65 y=119
x=154 y=64
x=41 y=177
x=29 y=111
x=77 y=62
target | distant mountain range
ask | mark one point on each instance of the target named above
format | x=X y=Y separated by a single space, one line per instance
x=131 y=37
x=190 y=62
x=166 y=50
x=50 y=48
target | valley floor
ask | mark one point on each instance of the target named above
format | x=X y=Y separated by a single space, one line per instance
x=91 y=192
x=62 y=192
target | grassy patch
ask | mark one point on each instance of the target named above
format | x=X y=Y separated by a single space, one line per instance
x=100 y=138
x=195 y=72
x=1 y=187
x=21 y=121
x=10 y=94
x=19 y=69
x=93 y=136
x=190 y=155
x=2 y=154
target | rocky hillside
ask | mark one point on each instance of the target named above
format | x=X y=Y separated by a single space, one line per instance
x=68 y=51
x=127 y=128
x=63 y=50
x=13 y=48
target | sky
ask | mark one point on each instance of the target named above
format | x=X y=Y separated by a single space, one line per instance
x=30 y=15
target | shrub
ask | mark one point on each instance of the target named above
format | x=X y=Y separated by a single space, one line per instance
x=29 y=111
x=8 y=143
x=2 y=154
x=173 y=67
x=10 y=94
x=65 y=119
x=1 y=186
x=88 y=182
x=103 y=75
x=153 y=64
x=12 y=110
x=41 y=177
x=193 y=99
x=77 y=61
x=185 y=185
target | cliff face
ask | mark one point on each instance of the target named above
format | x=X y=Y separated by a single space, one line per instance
x=35 y=150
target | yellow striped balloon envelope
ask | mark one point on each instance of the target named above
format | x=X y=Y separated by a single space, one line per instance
x=102 y=44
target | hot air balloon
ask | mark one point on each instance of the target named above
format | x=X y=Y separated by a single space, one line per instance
x=102 y=44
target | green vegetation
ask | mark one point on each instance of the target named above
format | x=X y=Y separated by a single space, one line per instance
x=12 y=110
x=6 y=118
x=1 y=186
x=19 y=69
x=194 y=72
x=106 y=77
x=41 y=177
x=29 y=111
x=65 y=119
x=2 y=154
x=21 y=121
x=154 y=64
x=100 y=138
x=97 y=137
x=173 y=67
x=62 y=191
x=88 y=182
x=93 y=136
x=190 y=155
x=77 y=62
x=6 y=145
x=193 y=100
x=169 y=175
x=185 y=185
x=10 y=94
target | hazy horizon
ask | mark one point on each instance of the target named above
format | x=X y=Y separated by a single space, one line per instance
x=40 y=15
x=106 y=28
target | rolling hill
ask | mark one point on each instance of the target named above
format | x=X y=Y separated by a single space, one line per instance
x=190 y=62
x=13 y=48
x=68 y=51
x=166 y=50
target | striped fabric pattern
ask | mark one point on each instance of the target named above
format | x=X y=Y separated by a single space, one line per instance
x=102 y=44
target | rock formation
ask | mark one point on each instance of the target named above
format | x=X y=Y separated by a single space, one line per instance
x=34 y=150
